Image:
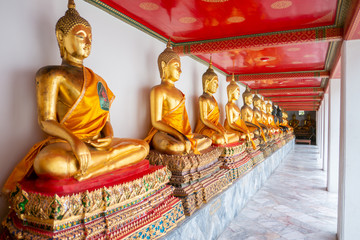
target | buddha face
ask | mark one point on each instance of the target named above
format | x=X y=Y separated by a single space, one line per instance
x=76 y=45
x=249 y=99
x=236 y=93
x=269 y=108
x=212 y=85
x=173 y=70
x=257 y=103
x=263 y=106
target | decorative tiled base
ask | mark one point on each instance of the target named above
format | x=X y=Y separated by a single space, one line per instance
x=149 y=225
x=115 y=205
x=210 y=221
x=196 y=178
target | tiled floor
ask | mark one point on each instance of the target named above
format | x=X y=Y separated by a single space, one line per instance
x=293 y=204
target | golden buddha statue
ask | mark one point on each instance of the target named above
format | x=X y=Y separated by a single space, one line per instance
x=308 y=122
x=258 y=113
x=285 y=121
x=73 y=110
x=208 y=123
x=233 y=121
x=171 y=132
x=247 y=115
x=294 y=123
x=275 y=129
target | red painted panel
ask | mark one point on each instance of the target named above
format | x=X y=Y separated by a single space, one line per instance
x=194 y=20
x=300 y=57
x=290 y=83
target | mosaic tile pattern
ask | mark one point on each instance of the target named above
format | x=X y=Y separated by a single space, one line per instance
x=211 y=219
x=293 y=204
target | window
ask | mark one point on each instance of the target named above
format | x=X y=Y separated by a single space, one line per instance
x=301 y=113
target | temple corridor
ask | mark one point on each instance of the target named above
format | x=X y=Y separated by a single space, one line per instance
x=293 y=203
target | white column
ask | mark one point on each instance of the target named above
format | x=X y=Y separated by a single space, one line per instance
x=334 y=136
x=349 y=174
x=321 y=133
x=325 y=130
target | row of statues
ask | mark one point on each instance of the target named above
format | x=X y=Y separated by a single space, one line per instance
x=307 y=124
x=73 y=110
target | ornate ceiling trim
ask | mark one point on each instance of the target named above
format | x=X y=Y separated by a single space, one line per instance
x=263 y=40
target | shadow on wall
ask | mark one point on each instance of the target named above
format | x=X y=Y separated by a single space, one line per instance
x=23 y=131
x=195 y=99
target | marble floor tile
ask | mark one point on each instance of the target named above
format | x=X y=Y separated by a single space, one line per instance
x=293 y=203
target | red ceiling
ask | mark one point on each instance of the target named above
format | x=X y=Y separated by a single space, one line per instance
x=266 y=39
x=300 y=57
x=195 y=20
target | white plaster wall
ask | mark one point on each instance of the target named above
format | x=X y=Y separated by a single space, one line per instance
x=124 y=56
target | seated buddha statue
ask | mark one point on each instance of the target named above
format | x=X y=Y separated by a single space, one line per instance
x=247 y=115
x=208 y=123
x=233 y=121
x=258 y=114
x=171 y=132
x=294 y=123
x=73 y=110
x=308 y=122
x=271 y=119
x=286 y=122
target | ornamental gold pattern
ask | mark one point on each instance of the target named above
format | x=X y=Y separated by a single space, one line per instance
x=56 y=213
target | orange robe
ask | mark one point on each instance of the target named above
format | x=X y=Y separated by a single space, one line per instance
x=85 y=119
x=213 y=117
x=177 y=118
x=243 y=126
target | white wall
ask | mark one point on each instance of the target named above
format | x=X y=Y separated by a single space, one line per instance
x=124 y=56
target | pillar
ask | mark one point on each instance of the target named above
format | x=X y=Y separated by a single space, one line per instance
x=349 y=174
x=325 y=131
x=334 y=135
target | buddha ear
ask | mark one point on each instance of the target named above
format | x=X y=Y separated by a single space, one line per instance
x=60 y=39
x=60 y=36
x=163 y=65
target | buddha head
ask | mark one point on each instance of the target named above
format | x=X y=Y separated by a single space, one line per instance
x=293 y=117
x=169 y=64
x=247 y=96
x=210 y=80
x=257 y=102
x=269 y=108
x=263 y=105
x=73 y=34
x=233 y=90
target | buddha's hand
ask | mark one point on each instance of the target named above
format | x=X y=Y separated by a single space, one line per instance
x=101 y=142
x=187 y=143
x=82 y=154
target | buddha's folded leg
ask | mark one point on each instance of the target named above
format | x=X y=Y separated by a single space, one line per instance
x=166 y=143
x=56 y=161
x=202 y=142
x=122 y=152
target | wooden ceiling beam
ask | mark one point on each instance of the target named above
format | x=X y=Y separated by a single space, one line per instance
x=321 y=34
x=279 y=76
